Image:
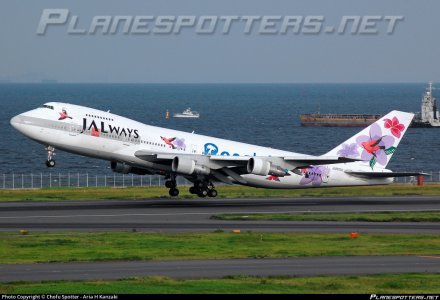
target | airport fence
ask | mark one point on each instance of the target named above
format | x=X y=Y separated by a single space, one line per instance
x=80 y=180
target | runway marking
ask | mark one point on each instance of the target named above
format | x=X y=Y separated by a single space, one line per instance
x=206 y=213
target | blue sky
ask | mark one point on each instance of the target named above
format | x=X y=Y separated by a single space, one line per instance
x=410 y=54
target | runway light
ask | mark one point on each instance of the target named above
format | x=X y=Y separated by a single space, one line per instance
x=236 y=230
x=354 y=235
x=24 y=232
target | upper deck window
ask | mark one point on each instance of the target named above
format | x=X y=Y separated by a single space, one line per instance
x=47 y=106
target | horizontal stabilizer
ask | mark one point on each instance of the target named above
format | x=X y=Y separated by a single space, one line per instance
x=308 y=160
x=386 y=174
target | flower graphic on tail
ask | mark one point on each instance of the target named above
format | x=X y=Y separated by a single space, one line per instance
x=395 y=126
x=349 y=150
x=376 y=146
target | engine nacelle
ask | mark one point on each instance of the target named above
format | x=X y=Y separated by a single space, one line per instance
x=186 y=165
x=120 y=167
x=125 y=169
x=140 y=171
x=258 y=166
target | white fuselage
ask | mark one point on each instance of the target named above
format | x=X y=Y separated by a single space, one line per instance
x=103 y=135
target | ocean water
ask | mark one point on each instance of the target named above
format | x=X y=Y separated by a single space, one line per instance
x=261 y=114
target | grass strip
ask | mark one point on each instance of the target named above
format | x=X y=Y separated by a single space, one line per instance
x=135 y=193
x=427 y=216
x=374 y=284
x=112 y=246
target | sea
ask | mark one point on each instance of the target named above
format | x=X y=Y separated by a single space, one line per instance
x=260 y=114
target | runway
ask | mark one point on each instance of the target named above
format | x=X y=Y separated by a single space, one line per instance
x=180 y=215
x=194 y=215
x=192 y=269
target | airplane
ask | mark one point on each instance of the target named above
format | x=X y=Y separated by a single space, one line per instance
x=134 y=147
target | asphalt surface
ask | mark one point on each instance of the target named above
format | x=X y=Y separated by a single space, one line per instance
x=311 y=266
x=174 y=215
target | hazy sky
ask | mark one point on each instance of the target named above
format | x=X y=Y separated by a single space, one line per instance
x=410 y=54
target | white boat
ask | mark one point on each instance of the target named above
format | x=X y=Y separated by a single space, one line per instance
x=187 y=113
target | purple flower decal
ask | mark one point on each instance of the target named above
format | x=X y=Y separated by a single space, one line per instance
x=314 y=175
x=179 y=143
x=376 y=147
x=349 y=150
x=174 y=143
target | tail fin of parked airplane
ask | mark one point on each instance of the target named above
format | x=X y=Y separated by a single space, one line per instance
x=377 y=143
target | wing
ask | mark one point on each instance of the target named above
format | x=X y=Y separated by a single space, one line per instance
x=225 y=167
x=220 y=160
x=306 y=160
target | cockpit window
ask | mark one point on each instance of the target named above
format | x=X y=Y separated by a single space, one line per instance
x=47 y=106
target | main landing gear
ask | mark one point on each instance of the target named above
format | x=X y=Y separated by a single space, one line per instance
x=200 y=188
x=172 y=185
x=203 y=189
x=50 y=162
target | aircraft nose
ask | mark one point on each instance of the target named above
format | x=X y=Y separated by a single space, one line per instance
x=15 y=121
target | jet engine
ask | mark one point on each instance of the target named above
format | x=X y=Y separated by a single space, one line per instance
x=125 y=169
x=258 y=166
x=120 y=167
x=186 y=165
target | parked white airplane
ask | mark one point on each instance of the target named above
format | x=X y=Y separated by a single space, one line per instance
x=133 y=147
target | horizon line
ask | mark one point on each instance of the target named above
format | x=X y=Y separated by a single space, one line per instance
x=219 y=83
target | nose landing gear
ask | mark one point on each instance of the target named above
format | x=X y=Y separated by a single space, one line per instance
x=50 y=162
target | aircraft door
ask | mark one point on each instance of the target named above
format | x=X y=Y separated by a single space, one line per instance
x=193 y=148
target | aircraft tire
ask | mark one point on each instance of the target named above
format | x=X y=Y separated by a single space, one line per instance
x=212 y=193
x=50 y=163
x=202 y=193
x=170 y=184
x=173 y=192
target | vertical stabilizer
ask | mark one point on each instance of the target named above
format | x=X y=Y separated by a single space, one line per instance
x=377 y=143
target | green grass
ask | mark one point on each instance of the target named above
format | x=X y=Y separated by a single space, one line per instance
x=380 y=284
x=67 y=247
x=103 y=193
x=427 y=216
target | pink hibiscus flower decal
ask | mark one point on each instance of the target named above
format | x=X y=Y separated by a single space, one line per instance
x=376 y=147
x=395 y=127
x=273 y=178
x=64 y=115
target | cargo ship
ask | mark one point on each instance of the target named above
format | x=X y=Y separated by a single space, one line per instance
x=338 y=120
x=428 y=117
